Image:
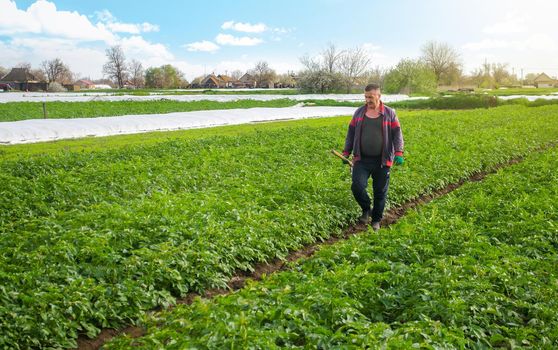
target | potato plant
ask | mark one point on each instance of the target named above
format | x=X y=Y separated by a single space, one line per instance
x=475 y=269
x=94 y=239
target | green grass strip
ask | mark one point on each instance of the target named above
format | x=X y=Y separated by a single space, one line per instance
x=14 y=111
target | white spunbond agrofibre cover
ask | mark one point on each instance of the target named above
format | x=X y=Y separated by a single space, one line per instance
x=40 y=130
x=101 y=96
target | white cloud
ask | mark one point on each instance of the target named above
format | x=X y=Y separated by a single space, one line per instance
x=487 y=44
x=537 y=42
x=245 y=27
x=131 y=28
x=227 y=39
x=371 y=48
x=141 y=49
x=204 y=46
x=13 y=20
x=148 y=27
x=542 y=42
x=85 y=61
x=110 y=21
x=513 y=23
x=105 y=16
x=11 y=55
x=42 y=17
x=282 y=30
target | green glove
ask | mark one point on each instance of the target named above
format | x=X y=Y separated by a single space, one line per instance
x=398 y=160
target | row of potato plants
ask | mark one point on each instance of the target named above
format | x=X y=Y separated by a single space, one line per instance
x=93 y=239
x=475 y=269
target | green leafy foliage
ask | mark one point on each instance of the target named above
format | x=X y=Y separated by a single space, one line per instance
x=93 y=239
x=476 y=269
x=457 y=101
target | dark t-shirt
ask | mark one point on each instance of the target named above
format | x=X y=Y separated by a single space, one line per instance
x=371 y=137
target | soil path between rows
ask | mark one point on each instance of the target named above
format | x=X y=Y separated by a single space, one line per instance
x=239 y=280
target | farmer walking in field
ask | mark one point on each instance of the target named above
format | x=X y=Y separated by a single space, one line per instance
x=376 y=142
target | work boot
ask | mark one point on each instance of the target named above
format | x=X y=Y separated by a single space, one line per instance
x=376 y=225
x=363 y=219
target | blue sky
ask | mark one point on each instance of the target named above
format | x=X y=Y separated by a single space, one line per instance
x=221 y=36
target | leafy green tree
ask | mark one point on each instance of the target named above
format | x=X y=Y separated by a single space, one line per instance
x=165 y=77
x=410 y=76
x=154 y=78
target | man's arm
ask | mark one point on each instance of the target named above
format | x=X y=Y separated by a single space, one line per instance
x=349 y=140
x=397 y=136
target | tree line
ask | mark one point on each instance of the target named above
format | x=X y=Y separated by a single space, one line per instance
x=332 y=70
x=335 y=70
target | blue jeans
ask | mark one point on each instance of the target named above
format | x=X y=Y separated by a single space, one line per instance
x=362 y=170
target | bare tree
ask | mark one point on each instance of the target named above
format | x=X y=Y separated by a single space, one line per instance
x=501 y=75
x=375 y=75
x=311 y=64
x=321 y=73
x=331 y=58
x=263 y=73
x=441 y=58
x=236 y=74
x=286 y=80
x=38 y=74
x=116 y=68
x=3 y=71
x=352 y=64
x=56 y=71
x=137 y=74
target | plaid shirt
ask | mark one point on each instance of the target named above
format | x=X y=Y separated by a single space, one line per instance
x=392 y=144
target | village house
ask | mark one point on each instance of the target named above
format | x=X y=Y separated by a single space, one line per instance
x=543 y=80
x=85 y=84
x=211 y=82
x=227 y=81
x=247 y=81
x=21 y=79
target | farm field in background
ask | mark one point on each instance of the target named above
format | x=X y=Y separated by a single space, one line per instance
x=518 y=91
x=14 y=111
x=473 y=269
x=93 y=239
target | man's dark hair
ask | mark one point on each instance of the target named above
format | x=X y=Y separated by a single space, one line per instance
x=371 y=87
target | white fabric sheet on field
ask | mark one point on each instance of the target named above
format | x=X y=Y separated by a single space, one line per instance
x=40 y=130
x=104 y=96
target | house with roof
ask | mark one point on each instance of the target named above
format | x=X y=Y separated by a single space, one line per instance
x=22 y=79
x=543 y=80
x=247 y=81
x=227 y=81
x=211 y=82
x=85 y=84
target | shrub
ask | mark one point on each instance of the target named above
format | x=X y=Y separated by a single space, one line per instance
x=56 y=87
